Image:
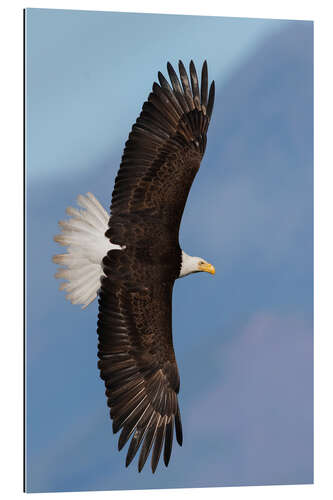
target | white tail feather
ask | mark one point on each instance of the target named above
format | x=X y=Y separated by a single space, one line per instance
x=84 y=236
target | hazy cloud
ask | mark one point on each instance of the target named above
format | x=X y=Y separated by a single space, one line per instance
x=259 y=412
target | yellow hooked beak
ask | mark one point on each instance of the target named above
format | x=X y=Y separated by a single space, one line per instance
x=208 y=268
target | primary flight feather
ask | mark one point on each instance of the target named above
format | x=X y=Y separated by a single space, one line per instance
x=132 y=258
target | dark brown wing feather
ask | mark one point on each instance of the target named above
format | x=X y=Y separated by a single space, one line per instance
x=165 y=147
x=137 y=360
x=138 y=365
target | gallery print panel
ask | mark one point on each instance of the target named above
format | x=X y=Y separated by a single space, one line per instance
x=161 y=147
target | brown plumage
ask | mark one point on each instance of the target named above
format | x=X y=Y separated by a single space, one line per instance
x=136 y=358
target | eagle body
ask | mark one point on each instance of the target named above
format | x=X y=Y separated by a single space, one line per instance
x=151 y=254
x=131 y=258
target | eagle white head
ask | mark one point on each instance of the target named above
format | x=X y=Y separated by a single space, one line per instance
x=194 y=265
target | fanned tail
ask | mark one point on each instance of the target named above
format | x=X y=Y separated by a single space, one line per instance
x=84 y=235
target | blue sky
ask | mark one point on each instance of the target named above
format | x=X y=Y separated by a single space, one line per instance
x=243 y=338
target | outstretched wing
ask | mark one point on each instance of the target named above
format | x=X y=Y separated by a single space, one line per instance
x=138 y=365
x=137 y=361
x=163 y=152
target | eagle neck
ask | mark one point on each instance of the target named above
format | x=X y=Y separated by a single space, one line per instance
x=186 y=265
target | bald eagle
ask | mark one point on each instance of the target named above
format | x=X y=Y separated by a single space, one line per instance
x=131 y=259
